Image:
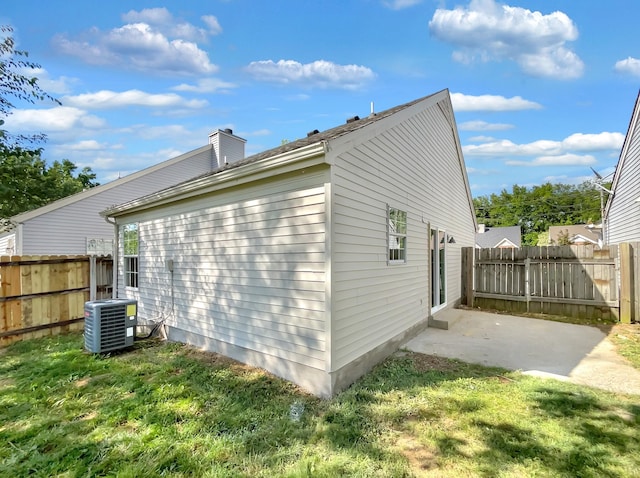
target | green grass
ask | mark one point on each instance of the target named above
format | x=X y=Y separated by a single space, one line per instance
x=168 y=410
x=627 y=340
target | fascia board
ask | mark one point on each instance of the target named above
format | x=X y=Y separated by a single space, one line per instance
x=307 y=156
x=633 y=125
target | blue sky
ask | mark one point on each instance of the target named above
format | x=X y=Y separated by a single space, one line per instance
x=542 y=90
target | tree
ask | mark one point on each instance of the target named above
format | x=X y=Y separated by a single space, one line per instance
x=15 y=85
x=26 y=182
x=535 y=209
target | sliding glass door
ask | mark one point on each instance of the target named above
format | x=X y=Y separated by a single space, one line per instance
x=438 y=269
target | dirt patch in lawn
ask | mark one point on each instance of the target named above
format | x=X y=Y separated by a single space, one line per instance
x=217 y=360
x=420 y=458
x=424 y=363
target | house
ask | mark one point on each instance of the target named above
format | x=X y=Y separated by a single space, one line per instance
x=622 y=211
x=577 y=234
x=73 y=225
x=313 y=260
x=498 y=237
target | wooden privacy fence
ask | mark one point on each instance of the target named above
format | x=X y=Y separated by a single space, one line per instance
x=45 y=295
x=574 y=281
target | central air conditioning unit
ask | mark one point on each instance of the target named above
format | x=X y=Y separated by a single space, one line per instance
x=109 y=324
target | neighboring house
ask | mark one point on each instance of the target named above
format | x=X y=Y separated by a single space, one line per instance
x=498 y=237
x=577 y=234
x=314 y=260
x=622 y=212
x=73 y=225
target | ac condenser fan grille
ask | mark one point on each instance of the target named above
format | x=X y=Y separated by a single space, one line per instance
x=109 y=324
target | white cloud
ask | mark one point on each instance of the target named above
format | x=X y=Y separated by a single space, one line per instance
x=508 y=148
x=153 y=16
x=593 y=142
x=547 y=152
x=489 y=31
x=106 y=99
x=321 y=73
x=53 y=86
x=87 y=145
x=164 y=21
x=151 y=47
x=60 y=119
x=205 y=85
x=213 y=24
x=559 y=160
x=400 y=4
x=482 y=139
x=579 y=142
x=630 y=66
x=483 y=126
x=462 y=102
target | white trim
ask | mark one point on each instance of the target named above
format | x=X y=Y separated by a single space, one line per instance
x=580 y=236
x=313 y=154
x=505 y=241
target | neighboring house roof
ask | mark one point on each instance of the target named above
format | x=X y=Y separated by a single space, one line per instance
x=101 y=188
x=314 y=143
x=499 y=237
x=72 y=225
x=576 y=234
x=622 y=211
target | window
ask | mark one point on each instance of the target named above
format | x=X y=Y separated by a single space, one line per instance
x=130 y=248
x=397 y=235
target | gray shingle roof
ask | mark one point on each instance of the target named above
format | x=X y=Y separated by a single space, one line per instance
x=494 y=235
x=572 y=232
x=352 y=124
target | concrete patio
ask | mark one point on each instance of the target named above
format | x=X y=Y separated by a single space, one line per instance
x=576 y=353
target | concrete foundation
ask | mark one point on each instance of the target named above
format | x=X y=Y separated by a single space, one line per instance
x=318 y=382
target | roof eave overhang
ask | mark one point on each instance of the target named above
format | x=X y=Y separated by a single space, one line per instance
x=300 y=158
x=633 y=123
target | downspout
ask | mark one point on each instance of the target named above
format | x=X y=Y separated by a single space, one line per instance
x=18 y=240
x=116 y=248
x=429 y=274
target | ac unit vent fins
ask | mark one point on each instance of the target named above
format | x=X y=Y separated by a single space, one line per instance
x=109 y=324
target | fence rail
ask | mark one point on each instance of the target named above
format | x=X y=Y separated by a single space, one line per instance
x=575 y=281
x=45 y=295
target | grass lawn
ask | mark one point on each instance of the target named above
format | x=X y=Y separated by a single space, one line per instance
x=169 y=410
x=627 y=340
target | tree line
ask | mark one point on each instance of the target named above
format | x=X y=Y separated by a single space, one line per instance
x=535 y=209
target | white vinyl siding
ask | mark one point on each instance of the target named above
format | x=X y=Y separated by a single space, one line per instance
x=623 y=223
x=8 y=244
x=65 y=230
x=248 y=268
x=413 y=166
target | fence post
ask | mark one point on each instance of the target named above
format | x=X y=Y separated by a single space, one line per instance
x=93 y=278
x=626 y=282
x=467 y=276
x=527 y=286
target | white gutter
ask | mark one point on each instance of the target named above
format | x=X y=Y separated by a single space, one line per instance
x=312 y=154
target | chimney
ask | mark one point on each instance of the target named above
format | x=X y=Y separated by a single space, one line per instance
x=481 y=228
x=227 y=148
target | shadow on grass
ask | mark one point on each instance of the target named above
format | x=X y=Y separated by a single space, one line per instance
x=167 y=409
